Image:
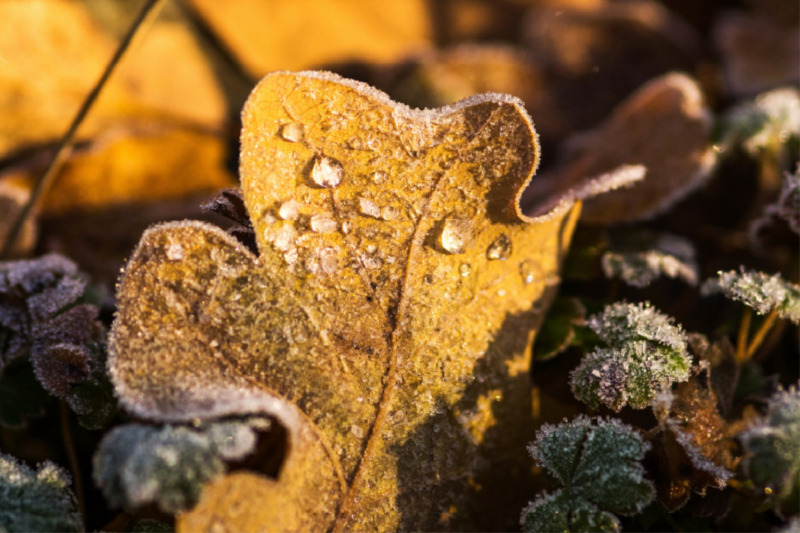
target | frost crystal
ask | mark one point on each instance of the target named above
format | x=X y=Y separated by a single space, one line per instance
x=38 y=500
x=787 y=206
x=758 y=290
x=771 y=119
x=599 y=466
x=772 y=461
x=646 y=353
x=646 y=256
x=137 y=464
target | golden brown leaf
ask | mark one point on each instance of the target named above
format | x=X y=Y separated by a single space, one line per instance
x=267 y=35
x=52 y=53
x=663 y=127
x=386 y=322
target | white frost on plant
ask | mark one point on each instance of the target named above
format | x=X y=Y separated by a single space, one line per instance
x=758 y=290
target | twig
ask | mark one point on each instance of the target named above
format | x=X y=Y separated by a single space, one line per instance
x=758 y=338
x=744 y=328
x=45 y=181
x=66 y=434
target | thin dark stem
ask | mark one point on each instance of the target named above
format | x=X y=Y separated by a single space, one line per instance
x=45 y=181
x=69 y=446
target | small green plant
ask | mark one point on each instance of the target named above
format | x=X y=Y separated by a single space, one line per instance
x=598 y=464
x=645 y=354
x=36 y=500
x=772 y=461
x=136 y=464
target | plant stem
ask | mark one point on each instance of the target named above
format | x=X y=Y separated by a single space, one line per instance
x=766 y=326
x=66 y=433
x=45 y=181
x=744 y=328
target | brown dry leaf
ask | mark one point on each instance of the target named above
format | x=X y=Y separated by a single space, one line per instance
x=692 y=449
x=386 y=322
x=14 y=193
x=268 y=35
x=663 y=127
x=130 y=166
x=52 y=52
x=759 y=51
x=603 y=48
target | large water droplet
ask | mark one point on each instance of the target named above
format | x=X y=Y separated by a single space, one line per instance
x=327 y=172
x=500 y=249
x=289 y=210
x=369 y=208
x=323 y=224
x=292 y=132
x=527 y=271
x=457 y=234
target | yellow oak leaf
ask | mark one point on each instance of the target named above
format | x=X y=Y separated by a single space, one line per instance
x=386 y=322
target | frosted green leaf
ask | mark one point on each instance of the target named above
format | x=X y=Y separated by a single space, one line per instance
x=36 y=500
x=599 y=466
x=772 y=461
x=770 y=119
x=138 y=464
x=758 y=290
x=642 y=257
x=646 y=353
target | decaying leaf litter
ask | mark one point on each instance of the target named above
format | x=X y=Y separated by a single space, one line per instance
x=338 y=221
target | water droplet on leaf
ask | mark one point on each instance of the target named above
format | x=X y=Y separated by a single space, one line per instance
x=289 y=210
x=327 y=172
x=175 y=252
x=292 y=132
x=368 y=208
x=465 y=269
x=526 y=270
x=323 y=224
x=457 y=234
x=500 y=249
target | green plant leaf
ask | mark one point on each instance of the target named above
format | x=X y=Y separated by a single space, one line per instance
x=758 y=290
x=599 y=466
x=641 y=257
x=772 y=461
x=646 y=353
x=136 y=464
x=36 y=500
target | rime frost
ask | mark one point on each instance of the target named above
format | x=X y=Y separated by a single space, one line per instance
x=758 y=290
x=646 y=353
x=646 y=256
x=38 y=500
x=137 y=464
x=599 y=466
x=772 y=461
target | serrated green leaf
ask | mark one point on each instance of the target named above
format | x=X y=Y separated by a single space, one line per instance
x=758 y=290
x=639 y=258
x=772 y=461
x=36 y=500
x=599 y=465
x=646 y=353
x=768 y=120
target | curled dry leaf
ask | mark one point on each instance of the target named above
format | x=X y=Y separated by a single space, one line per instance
x=603 y=48
x=664 y=127
x=692 y=449
x=386 y=322
x=364 y=30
